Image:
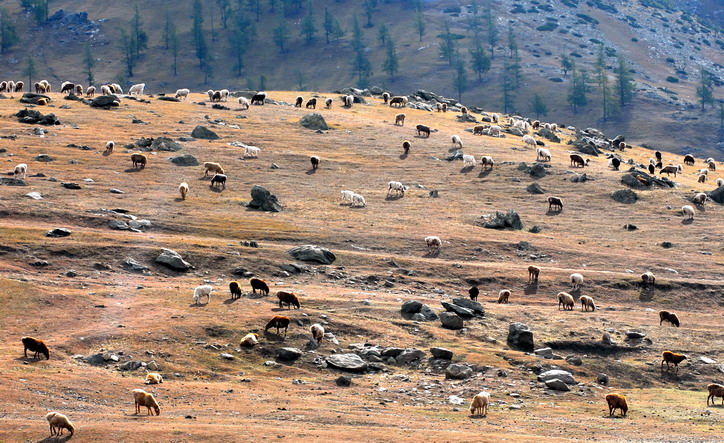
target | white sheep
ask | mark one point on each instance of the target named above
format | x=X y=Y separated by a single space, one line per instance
x=433 y=243
x=182 y=93
x=523 y=125
x=456 y=141
x=347 y=196
x=116 y=88
x=469 y=161
x=494 y=131
x=553 y=127
x=317 y=331
x=719 y=182
x=543 y=154
x=251 y=152
x=566 y=300
x=529 y=141
x=576 y=281
x=358 y=201
x=396 y=187
x=224 y=95
x=211 y=93
x=109 y=147
x=58 y=422
x=137 y=89
x=495 y=118
x=183 y=189
x=688 y=212
x=487 y=160
x=587 y=303
x=699 y=198
x=153 y=378
x=202 y=291
x=106 y=90
x=243 y=101
x=348 y=100
x=250 y=340
x=21 y=170
x=480 y=404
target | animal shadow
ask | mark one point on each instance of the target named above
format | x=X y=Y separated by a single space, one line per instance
x=467 y=169
x=393 y=197
x=432 y=254
x=106 y=154
x=687 y=221
x=531 y=288
x=178 y=199
x=484 y=173
x=230 y=301
x=552 y=212
x=403 y=156
x=216 y=189
x=55 y=439
x=133 y=170
x=311 y=171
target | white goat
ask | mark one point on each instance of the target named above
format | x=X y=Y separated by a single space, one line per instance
x=21 y=170
x=543 y=154
x=202 y=291
x=396 y=187
x=456 y=141
x=137 y=89
x=433 y=243
x=529 y=141
x=469 y=161
x=347 y=196
x=358 y=201
x=688 y=212
x=251 y=152
x=182 y=93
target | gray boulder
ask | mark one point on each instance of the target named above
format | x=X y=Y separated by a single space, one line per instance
x=165 y=144
x=168 y=98
x=547 y=134
x=105 y=102
x=534 y=188
x=173 y=260
x=410 y=356
x=442 y=353
x=264 y=200
x=185 y=160
x=589 y=149
x=557 y=385
x=626 y=196
x=574 y=360
x=644 y=180
x=411 y=307
x=344 y=381
x=472 y=305
x=130 y=365
x=58 y=232
x=314 y=121
x=457 y=155
x=503 y=220
x=537 y=171
x=118 y=225
x=564 y=376
x=520 y=336
x=459 y=310
x=204 y=133
x=427 y=313
x=32 y=98
x=289 y=354
x=11 y=181
x=451 y=320
x=457 y=371
x=347 y=362
x=313 y=253
x=717 y=195
x=133 y=265
x=635 y=335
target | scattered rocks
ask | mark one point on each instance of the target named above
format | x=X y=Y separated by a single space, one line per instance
x=717 y=195
x=626 y=196
x=549 y=135
x=185 y=160
x=707 y=360
x=411 y=307
x=131 y=365
x=564 y=376
x=173 y=260
x=544 y=352
x=502 y=220
x=458 y=371
x=33 y=117
x=314 y=121
x=12 y=182
x=168 y=98
x=313 y=253
x=574 y=360
x=442 y=353
x=264 y=200
x=347 y=362
x=580 y=178
x=163 y=144
x=640 y=180
x=289 y=354
x=520 y=336
x=58 y=232
x=204 y=133
x=451 y=320
x=410 y=356
x=133 y=265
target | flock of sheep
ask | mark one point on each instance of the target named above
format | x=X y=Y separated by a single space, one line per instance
x=58 y=422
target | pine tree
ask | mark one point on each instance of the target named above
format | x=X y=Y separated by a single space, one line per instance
x=474 y=24
x=328 y=24
x=8 y=33
x=705 y=90
x=608 y=105
x=624 y=82
x=460 y=80
x=538 y=106
x=281 y=33
x=308 y=28
x=448 y=45
x=383 y=34
x=515 y=66
x=566 y=64
x=129 y=55
x=361 y=65
x=338 y=31
x=420 y=22
x=492 y=30
x=391 y=64
x=29 y=71
x=578 y=93
x=139 y=36
x=479 y=60
x=262 y=82
x=174 y=48
x=89 y=63
x=369 y=8
x=208 y=67
x=197 y=32
x=167 y=30
x=239 y=39
x=225 y=9
x=509 y=88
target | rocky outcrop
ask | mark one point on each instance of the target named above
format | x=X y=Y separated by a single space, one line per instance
x=264 y=200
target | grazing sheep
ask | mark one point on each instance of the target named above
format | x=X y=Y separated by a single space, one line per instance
x=137 y=89
x=288 y=298
x=669 y=357
x=116 y=88
x=616 y=401
x=523 y=125
x=219 y=179
x=212 y=167
x=235 y=289
x=486 y=161
x=11 y=86
x=224 y=95
x=422 y=129
x=328 y=103
x=35 y=345
x=211 y=93
x=529 y=141
x=669 y=317
x=358 y=201
x=715 y=390
x=183 y=189
x=106 y=90
x=202 y=291
x=315 y=161
x=495 y=118
x=700 y=198
x=648 y=277
x=480 y=404
x=542 y=154
x=494 y=131
x=250 y=340
x=587 y=303
x=614 y=163
x=652 y=169
x=406 y=147
x=299 y=101
x=533 y=273
x=670 y=169
x=243 y=101
x=312 y=103
x=19 y=86
x=251 y=152
x=139 y=161
x=259 y=284
x=456 y=141
x=400 y=118
x=689 y=160
x=444 y=107
x=688 y=212
x=279 y=322
x=46 y=85
x=58 y=422
x=473 y=293
x=469 y=161
x=20 y=170
x=438 y=106
x=109 y=147
x=622 y=146
x=258 y=98
x=348 y=100
x=503 y=296
x=347 y=196
x=658 y=155
x=182 y=93
x=577 y=161
x=566 y=300
x=397 y=188
x=65 y=87
x=659 y=165
x=385 y=97
x=153 y=378
x=703 y=171
x=317 y=331
x=433 y=243
x=702 y=179
x=710 y=160
x=400 y=101
x=143 y=398
x=3 y=86
x=712 y=166
x=216 y=97
x=576 y=281
x=479 y=130
x=555 y=203
x=536 y=124
x=719 y=182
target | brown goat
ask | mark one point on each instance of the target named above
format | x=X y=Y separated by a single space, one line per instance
x=143 y=398
x=672 y=357
x=669 y=317
x=503 y=296
x=37 y=346
x=139 y=161
x=259 y=284
x=422 y=129
x=312 y=103
x=288 y=298
x=533 y=273
x=400 y=118
x=279 y=322
x=715 y=390
x=616 y=401
x=235 y=289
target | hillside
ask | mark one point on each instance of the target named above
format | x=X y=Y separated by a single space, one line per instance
x=90 y=303
x=660 y=43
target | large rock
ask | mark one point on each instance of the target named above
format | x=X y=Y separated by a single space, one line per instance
x=426 y=313
x=503 y=220
x=534 y=188
x=185 y=160
x=442 y=353
x=165 y=144
x=451 y=320
x=33 y=117
x=32 y=98
x=626 y=196
x=589 y=149
x=557 y=385
x=640 y=180
x=564 y=376
x=717 y=195
x=472 y=305
x=314 y=121
x=411 y=307
x=521 y=337
x=58 y=232
x=457 y=371
x=106 y=101
x=173 y=260
x=537 y=170
x=548 y=134
x=313 y=253
x=168 y=98
x=134 y=265
x=289 y=354
x=410 y=356
x=204 y=133
x=459 y=310
x=347 y=362
x=264 y=200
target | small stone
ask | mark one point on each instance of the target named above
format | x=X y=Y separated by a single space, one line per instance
x=289 y=354
x=602 y=379
x=458 y=371
x=58 y=232
x=574 y=360
x=116 y=191
x=71 y=273
x=442 y=353
x=344 y=381
x=34 y=195
x=544 y=352
x=226 y=356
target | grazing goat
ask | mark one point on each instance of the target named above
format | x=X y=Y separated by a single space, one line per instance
x=250 y=340
x=616 y=401
x=279 y=322
x=578 y=161
x=652 y=169
x=433 y=243
x=422 y=129
x=20 y=170
x=566 y=300
x=35 y=345
x=479 y=405
x=202 y=291
x=385 y=97
x=348 y=100
x=486 y=161
x=719 y=182
x=495 y=118
x=479 y=130
x=648 y=277
x=299 y=101
x=224 y=95
x=235 y=289
x=137 y=89
x=669 y=357
x=397 y=188
x=469 y=161
x=400 y=119
x=671 y=169
x=288 y=298
x=615 y=163
x=444 y=107
x=143 y=398
x=315 y=161
x=251 y=152
x=503 y=296
x=347 y=196
x=328 y=103
x=715 y=390
x=58 y=422
x=67 y=87
x=699 y=198
x=212 y=167
x=358 y=201
x=668 y=317
x=258 y=98
x=689 y=160
x=406 y=147
x=576 y=281
x=153 y=378
x=555 y=202
x=688 y=212
x=259 y=284
x=182 y=93
x=712 y=166
x=183 y=189
x=243 y=101
x=400 y=101
x=312 y=103
x=139 y=161
x=473 y=293
x=219 y=179
x=529 y=141
x=533 y=273
x=317 y=331
x=19 y=86
x=116 y=88
x=543 y=154
x=587 y=303
x=109 y=147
